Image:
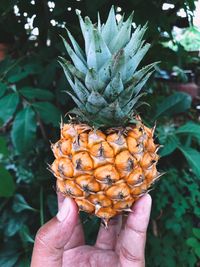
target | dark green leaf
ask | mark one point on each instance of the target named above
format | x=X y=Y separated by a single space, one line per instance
x=176 y=103
x=8 y=106
x=3 y=147
x=3 y=88
x=197 y=250
x=193 y=158
x=196 y=232
x=48 y=112
x=190 y=128
x=193 y=242
x=20 y=204
x=36 y=93
x=24 y=130
x=9 y=259
x=25 y=235
x=7 y=185
x=14 y=225
x=169 y=146
x=18 y=77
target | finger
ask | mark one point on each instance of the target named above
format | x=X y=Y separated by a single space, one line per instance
x=107 y=238
x=133 y=238
x=52 y=237
x=78 y=230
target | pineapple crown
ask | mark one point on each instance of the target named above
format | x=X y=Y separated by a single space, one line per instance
x=105 y=80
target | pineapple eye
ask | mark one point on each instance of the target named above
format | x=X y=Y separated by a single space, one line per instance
x=86 y=189
x=121 y=195
x=130 y=165
x=101 y=151
x=108 y=180
x=78 y=164
x=60 y=170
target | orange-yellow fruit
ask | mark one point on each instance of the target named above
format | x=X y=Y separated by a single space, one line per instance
x=105 y=172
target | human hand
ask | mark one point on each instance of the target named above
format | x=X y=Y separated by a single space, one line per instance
x=60 y=242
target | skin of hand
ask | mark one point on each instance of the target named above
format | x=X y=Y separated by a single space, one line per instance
x=60 y=242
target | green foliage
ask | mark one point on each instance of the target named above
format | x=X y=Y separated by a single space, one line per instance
x=32 y=101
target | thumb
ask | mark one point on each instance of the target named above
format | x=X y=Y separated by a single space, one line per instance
x=54 y=235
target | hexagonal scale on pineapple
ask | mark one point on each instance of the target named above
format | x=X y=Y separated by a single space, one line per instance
x=85 y=205
x=82 y=162
x=151 y=173
x=63 y=168
x=125 y=163
x=106 y=174
x=102 y=150
x=119 y=191
x=88 y=184
x=148 y=160
x=72 y=189
x=117 y=141
x=100 y=200
x=139 y=191
x=124 y=205
x=95 y=137
x=134 y=146
x=62 y=148
x=79 y=143
x=136 y=177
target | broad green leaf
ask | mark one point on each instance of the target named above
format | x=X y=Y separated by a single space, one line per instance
x=176 y=103
x=197 y=250
x=25 y=235
x=36 y=93
x=18 y=77
x=20 y=204
x=169 y=146
x=193 y=158
x=8 y=260
x=24 y=130
x=3 y=147
x=48 y=112
x=14 y=224
x=193 y=242
x=7 y=185
x=8 y=106
x=190 y=128
x=3 y=88
x=196 y=232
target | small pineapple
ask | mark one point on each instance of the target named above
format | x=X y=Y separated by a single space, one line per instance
x=106 y=157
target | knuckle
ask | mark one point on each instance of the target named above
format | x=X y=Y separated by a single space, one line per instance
x=141 y=232
x=126 y=254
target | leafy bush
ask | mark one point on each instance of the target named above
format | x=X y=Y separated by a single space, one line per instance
x=31 y=104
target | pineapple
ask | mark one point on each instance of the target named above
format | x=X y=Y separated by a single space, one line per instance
x=106 y=157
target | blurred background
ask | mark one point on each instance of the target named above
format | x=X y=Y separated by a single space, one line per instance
x=32 y=101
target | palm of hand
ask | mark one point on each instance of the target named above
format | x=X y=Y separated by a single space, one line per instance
x=60 y=242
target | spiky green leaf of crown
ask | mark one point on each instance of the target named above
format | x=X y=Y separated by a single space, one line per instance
x=105 y=80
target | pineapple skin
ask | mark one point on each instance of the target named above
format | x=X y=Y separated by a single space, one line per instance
x=105 y=172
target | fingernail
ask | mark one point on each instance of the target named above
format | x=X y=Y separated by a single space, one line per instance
x=64 y=210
